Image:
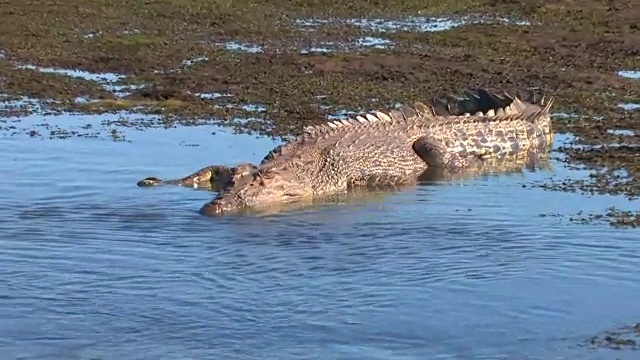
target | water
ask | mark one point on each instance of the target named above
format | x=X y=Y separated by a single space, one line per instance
x=411 y=23
x=244 y=47
x=630 y=106
x=94 y=267
x=107 y=80
x=632 y=74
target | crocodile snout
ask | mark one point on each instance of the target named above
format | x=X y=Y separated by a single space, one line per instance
x=215 y=208
x=150 y=181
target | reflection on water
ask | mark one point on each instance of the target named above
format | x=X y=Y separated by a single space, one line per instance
x=94 y=267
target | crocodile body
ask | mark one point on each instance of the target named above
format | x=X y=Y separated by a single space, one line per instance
x=381 y=151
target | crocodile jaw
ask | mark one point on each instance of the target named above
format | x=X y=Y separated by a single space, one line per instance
x=218 y=207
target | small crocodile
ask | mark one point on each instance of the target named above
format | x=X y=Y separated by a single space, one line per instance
x=381 y=150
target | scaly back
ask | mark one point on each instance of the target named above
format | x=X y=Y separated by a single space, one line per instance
x=481 y=106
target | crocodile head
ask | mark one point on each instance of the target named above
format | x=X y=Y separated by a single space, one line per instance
x=259 y=189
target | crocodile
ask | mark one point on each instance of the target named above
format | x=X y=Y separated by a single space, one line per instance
x=381 y=150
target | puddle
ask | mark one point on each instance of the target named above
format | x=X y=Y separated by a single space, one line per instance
x=423 y=24
x=81 y=74
x=319 y=49
x=323 y=47
x=563 y=115
x=253 y=107
x=247 y=107
x=237 y=46
x=377 y=43
x=623 y=132
x=211 y=96
x=193 y=61
x=633 y=74
x=67 y=125
x=630 y=106
x=107 y=80
x=91 y=35
x=413 y=23
x=8 y=102
x=46 y=123
x=363 y=42
x=122 y=126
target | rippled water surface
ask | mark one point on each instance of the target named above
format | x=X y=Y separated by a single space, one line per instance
x=94 y=267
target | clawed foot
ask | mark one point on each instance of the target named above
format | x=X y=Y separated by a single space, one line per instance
x=150 y=181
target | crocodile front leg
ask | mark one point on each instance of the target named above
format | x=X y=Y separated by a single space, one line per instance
x=381 y=181
x=437 y=156
x=214 y=177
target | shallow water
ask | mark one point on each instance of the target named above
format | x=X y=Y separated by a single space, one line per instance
x=633 y=74
x=94 y=267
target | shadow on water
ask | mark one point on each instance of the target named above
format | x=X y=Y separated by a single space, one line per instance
x=93 y=266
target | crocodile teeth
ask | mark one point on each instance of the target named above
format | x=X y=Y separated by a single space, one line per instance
x=346 y=122
x=361 y=119
x=491 y=113
x=479 y=113
x=500 y=112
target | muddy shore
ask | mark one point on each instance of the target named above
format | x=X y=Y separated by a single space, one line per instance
x=288 y=64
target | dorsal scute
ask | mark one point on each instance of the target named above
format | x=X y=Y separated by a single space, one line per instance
x=489 y=103
x=404 y=113
x=383 y=116
x=422 y=109
x=479 y=105
x=408 y=112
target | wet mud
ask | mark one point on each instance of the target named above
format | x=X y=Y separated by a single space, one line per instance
x=272 y=68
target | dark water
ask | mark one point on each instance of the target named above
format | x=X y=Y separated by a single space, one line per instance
x=94 y=267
